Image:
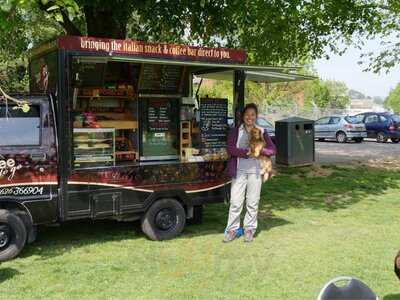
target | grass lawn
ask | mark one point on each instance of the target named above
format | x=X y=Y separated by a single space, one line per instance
x=314 y=224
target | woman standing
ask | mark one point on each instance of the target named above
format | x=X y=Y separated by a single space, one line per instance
x=245 y=173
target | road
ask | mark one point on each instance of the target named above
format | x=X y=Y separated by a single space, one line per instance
x=333 y=152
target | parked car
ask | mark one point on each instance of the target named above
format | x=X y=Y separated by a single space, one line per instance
x=262 y=122
x=340 y=128
x=381 y=126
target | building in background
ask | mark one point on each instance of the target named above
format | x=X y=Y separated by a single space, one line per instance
x=364 y=105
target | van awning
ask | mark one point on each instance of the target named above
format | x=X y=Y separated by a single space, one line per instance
x=270 y=76
x=218 y=71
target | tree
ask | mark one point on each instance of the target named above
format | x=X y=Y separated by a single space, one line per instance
x=326 y=94
x=316 y=94
x=271 y=31
x=338 y=91
x=393 y=100
x=20 y=28
x=387 y=30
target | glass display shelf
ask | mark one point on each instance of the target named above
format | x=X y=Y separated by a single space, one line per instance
x=94 y=147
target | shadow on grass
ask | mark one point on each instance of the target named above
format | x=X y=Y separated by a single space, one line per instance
x=7 y=273
x=392 y=297
x=216 y=217
x=338 y=188
x=57 y=240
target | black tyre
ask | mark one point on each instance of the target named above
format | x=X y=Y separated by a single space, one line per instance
x=197 y=215
x=395 y=140
x=164 y=220
x=381 y=137
x=358 y=140
x=12 y=235
x=341 y=137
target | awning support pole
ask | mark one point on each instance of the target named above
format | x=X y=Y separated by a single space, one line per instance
x=238 y=94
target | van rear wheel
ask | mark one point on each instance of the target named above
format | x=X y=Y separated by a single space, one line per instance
x=12 y=235
x=164 y=220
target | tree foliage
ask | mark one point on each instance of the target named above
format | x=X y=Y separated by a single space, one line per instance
x=21 y=27
x=318 y=94
x=393 y=100
x=326 y=94
x=271 y=31
x=388 y=32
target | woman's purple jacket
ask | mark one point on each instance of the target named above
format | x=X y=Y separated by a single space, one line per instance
x=235 y=152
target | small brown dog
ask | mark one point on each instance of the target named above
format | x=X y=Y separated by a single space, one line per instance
x=257 y=143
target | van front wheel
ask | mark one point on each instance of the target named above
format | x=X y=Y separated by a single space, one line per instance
x=164 y=220
x=12 y=235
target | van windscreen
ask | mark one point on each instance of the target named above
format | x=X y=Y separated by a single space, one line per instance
x=18 y=128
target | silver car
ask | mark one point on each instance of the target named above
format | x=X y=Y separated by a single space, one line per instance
x=340 y=128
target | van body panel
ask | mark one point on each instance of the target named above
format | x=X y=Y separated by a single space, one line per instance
x=29 y=173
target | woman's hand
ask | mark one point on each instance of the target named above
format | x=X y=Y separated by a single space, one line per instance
x=270 y=149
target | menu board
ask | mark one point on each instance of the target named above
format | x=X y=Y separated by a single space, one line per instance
x=213 y=122
x=160 y=79
x=160 y=128
x=158 y=115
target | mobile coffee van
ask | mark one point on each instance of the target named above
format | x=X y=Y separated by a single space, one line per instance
x=113 y=129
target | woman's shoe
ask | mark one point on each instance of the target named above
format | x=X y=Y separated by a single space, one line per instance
x=229 y=236
x=248 y=235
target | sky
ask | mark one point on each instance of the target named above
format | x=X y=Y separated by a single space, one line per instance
x=345 y=68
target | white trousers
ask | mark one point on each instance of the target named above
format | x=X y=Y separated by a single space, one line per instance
x=244 y=186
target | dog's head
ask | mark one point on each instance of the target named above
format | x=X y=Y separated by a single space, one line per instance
x=255 y=134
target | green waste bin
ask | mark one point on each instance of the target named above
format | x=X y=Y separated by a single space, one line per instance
x=295 y=141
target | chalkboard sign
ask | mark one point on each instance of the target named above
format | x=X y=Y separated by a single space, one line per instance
x=158 y=115
x=160 y=79
x=159 y=128
x=213 y=122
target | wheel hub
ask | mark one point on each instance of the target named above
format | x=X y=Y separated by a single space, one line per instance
x=4 y=236
x=165 y=219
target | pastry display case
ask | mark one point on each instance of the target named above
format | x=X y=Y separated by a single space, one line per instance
x=94 y=147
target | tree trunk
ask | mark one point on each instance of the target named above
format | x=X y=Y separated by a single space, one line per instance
x=107 y=23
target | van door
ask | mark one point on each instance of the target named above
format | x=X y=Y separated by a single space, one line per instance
x=28 y=158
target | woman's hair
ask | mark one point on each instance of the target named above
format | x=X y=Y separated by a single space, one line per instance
x=247 y=107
